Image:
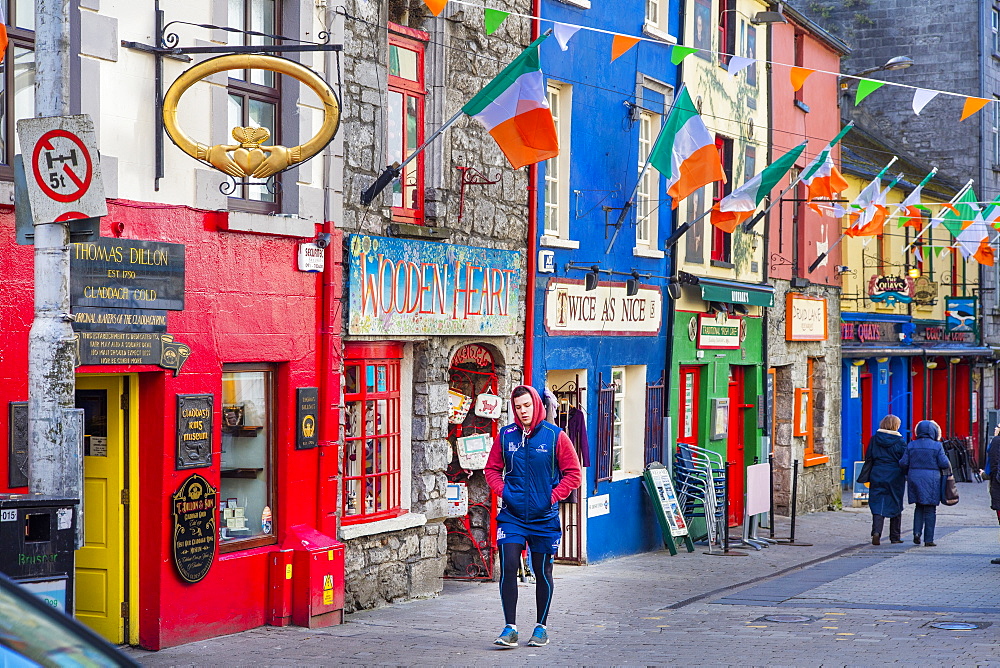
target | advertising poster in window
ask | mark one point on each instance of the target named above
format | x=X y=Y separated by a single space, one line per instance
x=402 y=286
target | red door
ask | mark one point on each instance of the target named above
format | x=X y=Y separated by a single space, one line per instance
x=690 y=387
x=736 y=451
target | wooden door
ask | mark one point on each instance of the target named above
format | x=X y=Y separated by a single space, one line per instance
x=101 y=564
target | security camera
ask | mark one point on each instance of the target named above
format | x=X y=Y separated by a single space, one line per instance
x=322 y=240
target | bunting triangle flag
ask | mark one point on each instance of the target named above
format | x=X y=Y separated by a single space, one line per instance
x=972 y=106
x=679 y=53
x=865 y=88
x=921 y=96
x=514 y=109
x=918 y=256
x=957 y=216
x=436 y=6
x=684 y=152
x=492 y=18
x=984 y=254
x=737 y=64
x=563 y=32
x=738 y=205
x=620 y=44
x=799 y=76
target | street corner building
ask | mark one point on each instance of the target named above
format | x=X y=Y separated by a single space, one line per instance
x=205 y=315
x=434 y=302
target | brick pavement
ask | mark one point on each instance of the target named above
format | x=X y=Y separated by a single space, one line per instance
x=868 y=606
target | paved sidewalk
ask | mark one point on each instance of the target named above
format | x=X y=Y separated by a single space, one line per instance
x=863 y=605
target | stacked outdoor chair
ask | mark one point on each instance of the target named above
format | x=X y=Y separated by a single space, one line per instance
x=700 y=477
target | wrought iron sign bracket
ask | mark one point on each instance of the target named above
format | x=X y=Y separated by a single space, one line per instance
x=472 y=177
x=167 y=47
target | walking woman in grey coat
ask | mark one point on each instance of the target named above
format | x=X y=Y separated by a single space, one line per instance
x=924 y=463
x=886 y=480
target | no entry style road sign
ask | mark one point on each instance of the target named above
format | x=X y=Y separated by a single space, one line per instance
x=62 y=168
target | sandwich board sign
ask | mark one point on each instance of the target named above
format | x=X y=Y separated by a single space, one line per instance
x=666 y=506
x=62 y=168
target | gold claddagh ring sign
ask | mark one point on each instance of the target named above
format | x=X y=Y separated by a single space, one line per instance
x=248 y=158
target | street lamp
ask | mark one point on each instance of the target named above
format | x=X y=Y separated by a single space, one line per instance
x=761 y=18
x=894 y=63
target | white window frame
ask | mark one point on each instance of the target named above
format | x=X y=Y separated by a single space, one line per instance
x=995 y=29
x=995 y=130
x=657 y=20
x=556 y=202
x=647 y=193
x=628 y=430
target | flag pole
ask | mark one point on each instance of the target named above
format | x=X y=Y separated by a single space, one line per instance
x=392 y=172
x=822 y=256
x=926 y=227
x=631 y=198
x=752 y=223
x=682 y=229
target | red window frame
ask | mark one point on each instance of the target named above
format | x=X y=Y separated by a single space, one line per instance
x=410 y=185
x=371 y=464
x=800 y=59
x=722 y=242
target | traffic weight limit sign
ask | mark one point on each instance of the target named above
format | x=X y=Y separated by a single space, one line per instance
x=63 y=169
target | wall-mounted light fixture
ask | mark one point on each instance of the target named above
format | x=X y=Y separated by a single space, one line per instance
x=591 y=278
x=914 y=272
x=858 y=362
x=881 y=360
x=931 y=365
x=632 y=285
x=955 y=360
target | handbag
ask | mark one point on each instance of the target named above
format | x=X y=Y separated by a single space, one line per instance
x=949 y=490
x=864 y=477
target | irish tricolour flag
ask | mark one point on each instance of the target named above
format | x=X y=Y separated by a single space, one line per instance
x=514 y=110
x=685 y=151
x=739 y=204
x=821 y=177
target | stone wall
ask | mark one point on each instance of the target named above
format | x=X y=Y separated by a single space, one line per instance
x=819 y=485
x=459 y=60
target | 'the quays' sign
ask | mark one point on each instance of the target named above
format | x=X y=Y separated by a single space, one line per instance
x=400 y=286
x=570 y=309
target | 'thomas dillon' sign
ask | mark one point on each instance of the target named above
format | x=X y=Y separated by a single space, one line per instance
x=572 y=310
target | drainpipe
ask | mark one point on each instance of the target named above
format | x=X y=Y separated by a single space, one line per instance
x=765 y=316
x=529 y=295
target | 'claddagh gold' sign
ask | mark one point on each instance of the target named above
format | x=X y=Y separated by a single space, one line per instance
x=248 y=157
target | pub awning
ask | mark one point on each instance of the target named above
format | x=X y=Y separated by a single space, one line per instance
x=858 y=352
x=735 y=292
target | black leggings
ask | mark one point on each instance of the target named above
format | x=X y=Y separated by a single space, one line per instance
x=541 y=565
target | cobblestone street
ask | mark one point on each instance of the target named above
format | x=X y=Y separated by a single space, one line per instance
x=862 y=604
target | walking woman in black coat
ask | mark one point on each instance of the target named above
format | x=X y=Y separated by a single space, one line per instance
x=886 y=480
x=993 y=471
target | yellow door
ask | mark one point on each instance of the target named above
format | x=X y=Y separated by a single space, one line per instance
x=101 y=563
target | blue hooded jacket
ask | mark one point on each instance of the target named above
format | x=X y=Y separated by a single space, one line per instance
x=925 y=462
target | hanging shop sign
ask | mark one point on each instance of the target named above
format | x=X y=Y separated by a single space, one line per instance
x=306 y=418
x=127 y=274
x=311 y=257
x=805 y=318
x=720 y=331
x=249 y=157
x=960 y=314
x=194 y=430
x=195 y=506
x=104 y=348
x=925 y=291
x=402 y=286
x=572 y=310
x=890 y=290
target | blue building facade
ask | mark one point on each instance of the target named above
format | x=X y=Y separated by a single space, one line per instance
x=600 y=293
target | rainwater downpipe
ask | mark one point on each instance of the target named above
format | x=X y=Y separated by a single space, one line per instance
x=529 y=293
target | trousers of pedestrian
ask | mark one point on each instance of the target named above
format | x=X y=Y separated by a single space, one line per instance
x=924 y=519
x=895 y=525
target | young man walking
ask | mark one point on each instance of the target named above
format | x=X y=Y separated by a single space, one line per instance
x=531 y=467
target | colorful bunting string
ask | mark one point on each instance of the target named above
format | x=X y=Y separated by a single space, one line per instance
x=738 y=63
x=492 y=18
x=679 y=52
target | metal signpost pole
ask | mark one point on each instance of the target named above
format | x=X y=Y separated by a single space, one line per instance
x=53 y=462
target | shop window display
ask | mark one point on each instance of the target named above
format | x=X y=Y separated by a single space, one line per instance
x=372 y=438
x=246 y=493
